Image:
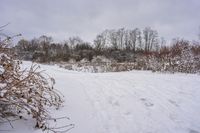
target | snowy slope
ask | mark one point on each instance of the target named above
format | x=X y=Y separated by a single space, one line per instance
x=125 y=102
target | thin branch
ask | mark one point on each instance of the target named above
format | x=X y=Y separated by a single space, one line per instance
x=4 y=25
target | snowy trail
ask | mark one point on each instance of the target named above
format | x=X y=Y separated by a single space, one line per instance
x=128 y=102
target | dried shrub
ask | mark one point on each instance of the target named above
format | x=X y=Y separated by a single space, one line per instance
x=25 y=92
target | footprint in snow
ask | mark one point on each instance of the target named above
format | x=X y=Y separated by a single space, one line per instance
x=146 y=102
x=174 y=103
x=127 y=113
x=113 y=102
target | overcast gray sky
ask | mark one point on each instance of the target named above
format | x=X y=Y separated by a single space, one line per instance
x=86 y=18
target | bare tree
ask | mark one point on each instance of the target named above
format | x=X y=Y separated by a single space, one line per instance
x=140 y=44
x=23 y=44
x=99 y=42
x=120 y=38
x=127 y=42
x=134 y=36
x=113 y=39
x=150 y=38
x=73 y=41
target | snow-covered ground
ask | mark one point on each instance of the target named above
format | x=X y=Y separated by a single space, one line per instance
x=125 y=102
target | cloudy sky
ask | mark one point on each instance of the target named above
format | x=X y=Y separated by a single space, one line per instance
x=86 y=18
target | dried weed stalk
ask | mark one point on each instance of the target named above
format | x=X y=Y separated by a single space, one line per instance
x=25 y=92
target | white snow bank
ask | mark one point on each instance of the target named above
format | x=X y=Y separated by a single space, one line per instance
x=125 y=102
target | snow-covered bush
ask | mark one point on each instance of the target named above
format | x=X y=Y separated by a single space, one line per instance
x=184 y=59
x=24 y=93
x=100 y=59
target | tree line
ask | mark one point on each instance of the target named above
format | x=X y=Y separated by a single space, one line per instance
x=142 y=47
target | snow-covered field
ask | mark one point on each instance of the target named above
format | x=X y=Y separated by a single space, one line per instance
x=125 y=102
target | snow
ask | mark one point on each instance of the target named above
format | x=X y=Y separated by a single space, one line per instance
x=124 y=102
